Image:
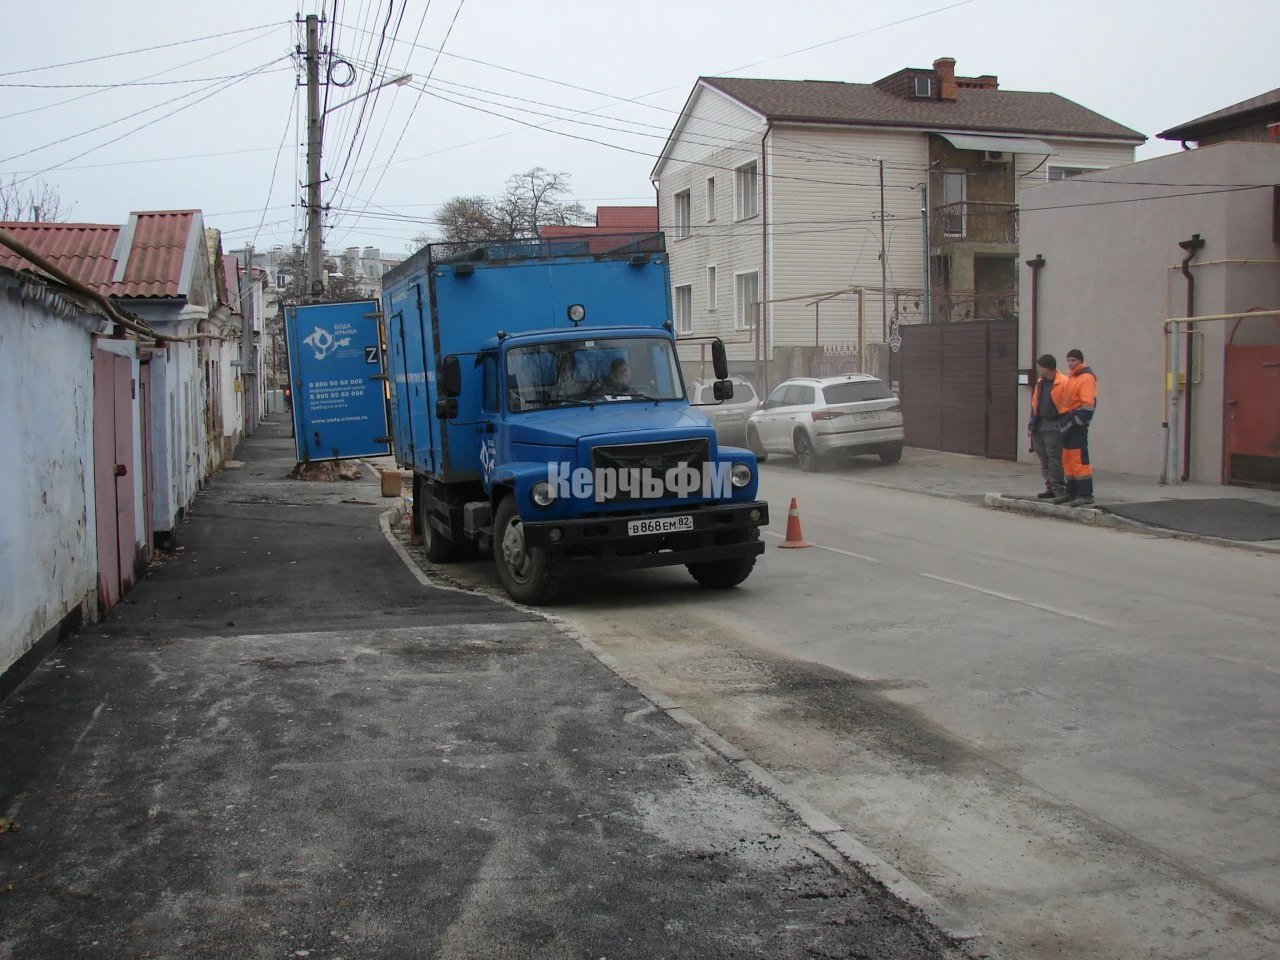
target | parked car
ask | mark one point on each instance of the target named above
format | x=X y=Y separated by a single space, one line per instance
x=809 y=418
x=729 y=418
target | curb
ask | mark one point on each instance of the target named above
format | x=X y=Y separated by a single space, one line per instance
x=823 y=827
x=1100 y=517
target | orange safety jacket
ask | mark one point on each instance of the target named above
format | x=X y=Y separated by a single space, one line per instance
x=1081 y=392
x=1057 y=393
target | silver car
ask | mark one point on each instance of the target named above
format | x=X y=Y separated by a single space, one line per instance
x=729 y=418
x=809 y=418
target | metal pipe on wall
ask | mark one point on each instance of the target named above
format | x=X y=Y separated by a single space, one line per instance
x=1192 y=247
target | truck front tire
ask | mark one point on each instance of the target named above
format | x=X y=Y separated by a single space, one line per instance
x=725 y=574
x=529 y=575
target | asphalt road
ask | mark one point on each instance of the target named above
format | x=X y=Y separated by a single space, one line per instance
x=1065 y=733
x=283 y=745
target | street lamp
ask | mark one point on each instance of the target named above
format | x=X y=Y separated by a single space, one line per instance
x=398 y=81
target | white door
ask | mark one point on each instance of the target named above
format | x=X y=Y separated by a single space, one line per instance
x=766 y=422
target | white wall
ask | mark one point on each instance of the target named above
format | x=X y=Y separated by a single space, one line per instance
x=48 y=541
x=719 y=135
x=1106 y=286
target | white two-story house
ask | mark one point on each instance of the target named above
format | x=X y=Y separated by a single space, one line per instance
x=777 y=197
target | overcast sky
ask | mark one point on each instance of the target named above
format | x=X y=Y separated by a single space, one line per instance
x=230 y=146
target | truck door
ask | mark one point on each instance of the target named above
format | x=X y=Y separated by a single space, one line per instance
x=409 y=381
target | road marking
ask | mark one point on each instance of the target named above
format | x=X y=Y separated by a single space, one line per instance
x=1030 y=603
x=843 y=553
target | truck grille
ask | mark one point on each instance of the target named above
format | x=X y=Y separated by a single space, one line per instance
x=655 y=458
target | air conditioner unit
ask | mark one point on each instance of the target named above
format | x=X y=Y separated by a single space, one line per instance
x=995 y=156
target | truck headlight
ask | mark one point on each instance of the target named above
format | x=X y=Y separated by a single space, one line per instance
x=740 y=475
x=540 y=493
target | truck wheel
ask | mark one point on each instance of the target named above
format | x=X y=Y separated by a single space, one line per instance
x=891 y=454
x=438 y=548
x=528 y=575
x=725 y=574
x=806 y=456
x=755 y=446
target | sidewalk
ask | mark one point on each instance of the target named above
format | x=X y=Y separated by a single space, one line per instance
x=1240 y=516
x=283 y=745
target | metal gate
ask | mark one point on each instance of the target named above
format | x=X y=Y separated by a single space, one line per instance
x=959 y=387
x=113 y=397
x=1252 y=404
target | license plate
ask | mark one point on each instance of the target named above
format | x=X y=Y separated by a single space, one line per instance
x=868 y=416
x=731 y=416
x=643 y=528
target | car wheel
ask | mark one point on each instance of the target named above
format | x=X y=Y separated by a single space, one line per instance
x=755 y=446
x=806 y=455
x=891 y=454
x=527 y=573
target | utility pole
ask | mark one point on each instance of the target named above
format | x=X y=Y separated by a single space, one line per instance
x=315 y=137
x=246 y=341
x=884 y=283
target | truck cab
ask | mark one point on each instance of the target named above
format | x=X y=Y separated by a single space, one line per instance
x=571 y=445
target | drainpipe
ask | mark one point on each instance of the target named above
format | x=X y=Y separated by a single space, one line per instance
x=1036 y=266
x=764 y=252
x=1192 y=247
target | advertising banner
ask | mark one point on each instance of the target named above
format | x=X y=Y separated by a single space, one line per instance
x=339 y=410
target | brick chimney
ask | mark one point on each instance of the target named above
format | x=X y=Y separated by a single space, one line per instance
x=945 y=68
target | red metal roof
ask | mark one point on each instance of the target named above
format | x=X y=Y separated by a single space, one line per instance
x=154 y=265
x=81 y=249
x=627 y=218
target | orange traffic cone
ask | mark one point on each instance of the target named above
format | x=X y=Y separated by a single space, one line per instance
x=795 y=538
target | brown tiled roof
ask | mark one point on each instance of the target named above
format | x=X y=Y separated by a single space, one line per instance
x=1261 y=106
x=864 y=104
x=87 y=251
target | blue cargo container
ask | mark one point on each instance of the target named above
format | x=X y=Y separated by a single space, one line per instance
x=537 y=399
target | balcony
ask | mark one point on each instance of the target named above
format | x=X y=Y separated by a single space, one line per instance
x=974 y=221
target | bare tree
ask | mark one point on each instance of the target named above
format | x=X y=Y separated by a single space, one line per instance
x=463 y=219
x=39 y=201
x=529 y=201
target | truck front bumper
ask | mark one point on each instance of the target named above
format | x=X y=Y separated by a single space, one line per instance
x=721 y=532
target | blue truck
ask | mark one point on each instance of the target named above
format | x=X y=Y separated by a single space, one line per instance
x=537 y=398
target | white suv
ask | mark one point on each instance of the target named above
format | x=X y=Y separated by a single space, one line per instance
x=809 y=417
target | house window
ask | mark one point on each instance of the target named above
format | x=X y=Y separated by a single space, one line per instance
x=281 y=281
x=746 y=294
x=711 y=289
x=924 y=86
x=684 y=309
x=682 y=215
x=711 y=198
x=1066 y=173
x=747 y=190
x=953 y=192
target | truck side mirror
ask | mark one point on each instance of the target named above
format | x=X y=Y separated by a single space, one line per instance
x=719 y=360
x=722 y=390
x=450 y=377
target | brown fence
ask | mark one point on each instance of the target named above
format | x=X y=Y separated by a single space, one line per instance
x=959 y=387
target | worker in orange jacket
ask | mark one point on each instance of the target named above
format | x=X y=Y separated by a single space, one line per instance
x=1079 y=404
x=1047 y=398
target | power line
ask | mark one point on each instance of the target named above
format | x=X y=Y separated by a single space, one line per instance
x=144 y=77
x=224 y=86
x=364 y=102
x=293 y=101
x=127 y=53
x=414 y=109
x=130 y=116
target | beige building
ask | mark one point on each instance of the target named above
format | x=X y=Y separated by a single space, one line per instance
x=772 y=199
x=1113 y=245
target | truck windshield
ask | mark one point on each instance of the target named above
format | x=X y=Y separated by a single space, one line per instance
x=592 y=370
